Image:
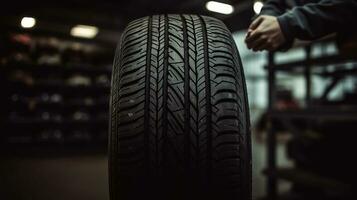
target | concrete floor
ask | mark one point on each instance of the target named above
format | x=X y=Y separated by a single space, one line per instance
x=56 y=178
x=85 y=176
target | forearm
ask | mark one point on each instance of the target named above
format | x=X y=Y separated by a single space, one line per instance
x=315 y=20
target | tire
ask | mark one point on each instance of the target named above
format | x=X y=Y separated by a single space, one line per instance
x=179 y=126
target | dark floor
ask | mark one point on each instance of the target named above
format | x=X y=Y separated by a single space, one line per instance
x=70 y=176
x=55 y=178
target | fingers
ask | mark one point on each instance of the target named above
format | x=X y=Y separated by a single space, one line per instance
x=249 y=32
x=257 y=43
x=263 y=46
x=253 y=33
x=252 y=36
x=256 y=23
x=267 y=44
x=263 y=34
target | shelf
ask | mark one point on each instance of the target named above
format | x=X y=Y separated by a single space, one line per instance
x=56 y=69
x=64 y=124
x=72 y=90
x=320 y=61
x=61 y=35
x=51 y=149
x=340 y=73
x=292 y=118
x=63 y=106
x=338 y=114
x=23 y=96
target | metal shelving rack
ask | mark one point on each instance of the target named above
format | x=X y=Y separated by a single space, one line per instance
x=97 y=109
x=310 y=112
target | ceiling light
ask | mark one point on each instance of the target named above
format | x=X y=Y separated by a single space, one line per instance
x=257 y=7
x=28 y=22
x=84 y=31
x=219 y=7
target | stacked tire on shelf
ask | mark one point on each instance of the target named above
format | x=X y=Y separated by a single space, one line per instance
x=179 y=113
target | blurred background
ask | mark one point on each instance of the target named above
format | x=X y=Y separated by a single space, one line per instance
x=55 y=71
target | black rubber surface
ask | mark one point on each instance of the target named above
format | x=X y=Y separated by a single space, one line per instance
x=179 y=114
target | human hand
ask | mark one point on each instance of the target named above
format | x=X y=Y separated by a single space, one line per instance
x=264 y=34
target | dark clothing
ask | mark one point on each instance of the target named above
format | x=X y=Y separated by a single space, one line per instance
x=312 y=19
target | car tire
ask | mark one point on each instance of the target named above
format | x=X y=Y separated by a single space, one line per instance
x=179 y=124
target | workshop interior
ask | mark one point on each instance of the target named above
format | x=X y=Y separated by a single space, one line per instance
x=56 y=105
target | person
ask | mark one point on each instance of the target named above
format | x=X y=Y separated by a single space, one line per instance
x=282 y=21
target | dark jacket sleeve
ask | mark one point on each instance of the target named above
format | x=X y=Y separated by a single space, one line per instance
x=274 y=8
x=315 y=20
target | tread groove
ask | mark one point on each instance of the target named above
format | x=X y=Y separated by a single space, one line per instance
x=208 y=99
x=147 y=96
x=187 y=126
x=165 y=89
